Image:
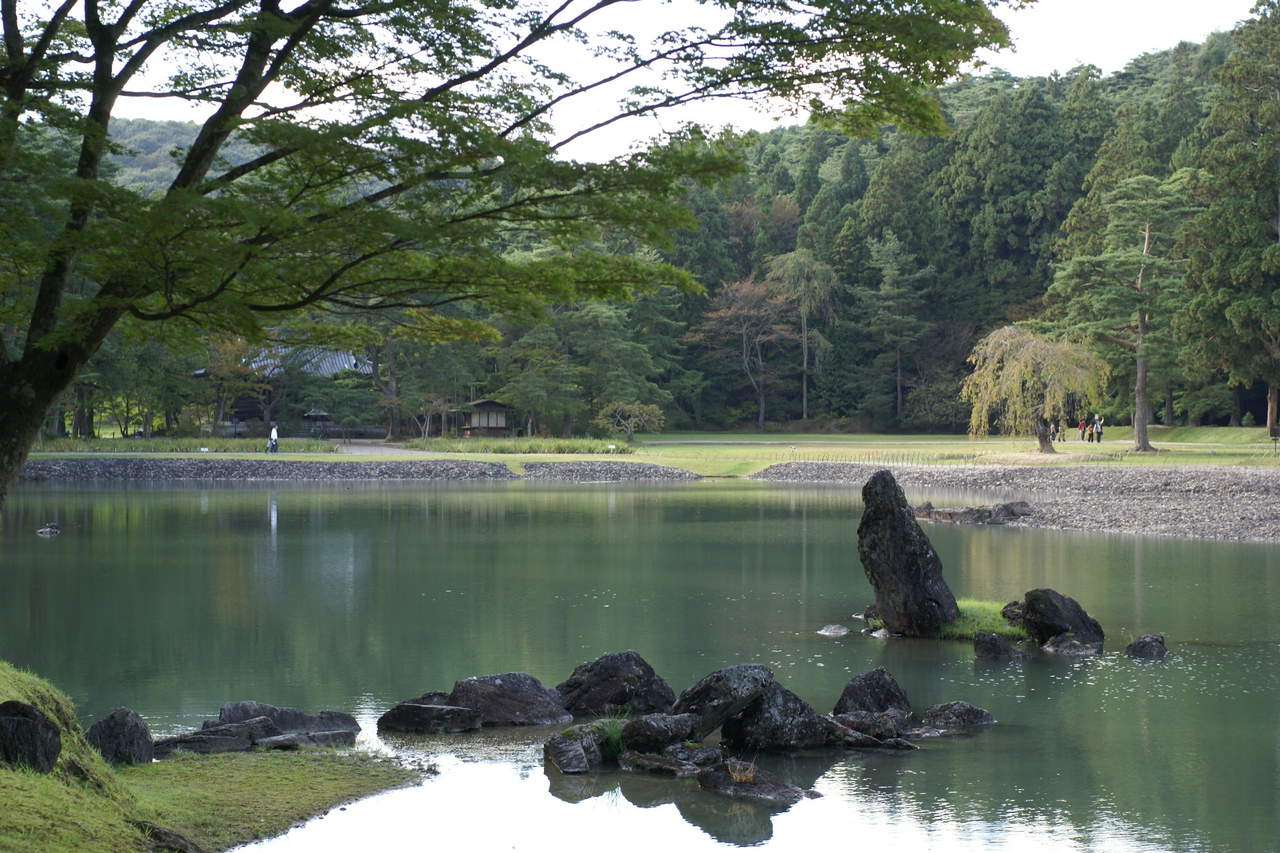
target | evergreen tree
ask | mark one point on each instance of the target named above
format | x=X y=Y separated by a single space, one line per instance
x=1234 y=246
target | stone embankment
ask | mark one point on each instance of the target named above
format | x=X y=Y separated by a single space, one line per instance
x=1196 y=501
x=162 y=469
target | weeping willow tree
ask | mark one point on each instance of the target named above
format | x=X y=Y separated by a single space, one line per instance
x=1026 y=382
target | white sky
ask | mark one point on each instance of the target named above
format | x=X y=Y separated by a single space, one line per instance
x=1051 y=35
x=1055 y=35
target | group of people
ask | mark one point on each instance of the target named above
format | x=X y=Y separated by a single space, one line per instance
x=1090 y=430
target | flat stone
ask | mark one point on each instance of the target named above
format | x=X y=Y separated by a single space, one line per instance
x=413 y=718
x=659 y=765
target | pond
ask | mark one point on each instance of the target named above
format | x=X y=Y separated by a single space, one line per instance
x=172 y=600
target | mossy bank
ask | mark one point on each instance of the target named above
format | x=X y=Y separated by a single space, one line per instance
x=214 y=801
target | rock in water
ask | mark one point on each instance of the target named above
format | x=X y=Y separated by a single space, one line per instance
x=901 y=564
x=616 y=682
x=1046 y=613
x=874 y=691
x=1148 y=647
x=723 y=693
x=778 y=720
x=956 y=715
x=988 y=646
x=415 y=718
x=28 y=738
x=286 y=719
x=655 y=732
x=123 y=738
x=744 y=781
x=510 y=699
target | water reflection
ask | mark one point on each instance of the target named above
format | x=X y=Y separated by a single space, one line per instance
x=172 y=601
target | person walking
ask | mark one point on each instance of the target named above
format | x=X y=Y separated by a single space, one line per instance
x=1082 y=425
x=273 y=443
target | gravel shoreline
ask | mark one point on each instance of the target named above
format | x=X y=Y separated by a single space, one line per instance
x=1202 y=502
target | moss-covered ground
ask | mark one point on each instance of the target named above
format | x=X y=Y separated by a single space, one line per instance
x=86 y=806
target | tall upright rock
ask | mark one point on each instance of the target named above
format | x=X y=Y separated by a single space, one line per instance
x=900 y=562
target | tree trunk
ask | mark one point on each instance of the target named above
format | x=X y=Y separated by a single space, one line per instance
x=898 y=382
x=1141 y=409
x=1168 y=407
x=804 y=366
x=1273 y=399
x=1237 y=405
x=1042 y=436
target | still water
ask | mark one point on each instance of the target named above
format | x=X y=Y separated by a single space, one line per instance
x=173 y=600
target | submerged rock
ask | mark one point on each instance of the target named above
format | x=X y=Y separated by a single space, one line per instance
x=1047 y=613
x=413 y=718
x=295 y=740
x=655 y=732
x=578 y=749
x=833 y=630
x=1069 y=645
x=122 y=737
x=660 y=765
x=228 y=737
x=286 y=719
x=613 y=683
x=778 y=720
x=694 y=753
x=510 y=699
x=743 y=781
x=956 y=715
x=873 y=691
x=721 y=694
x=900 y=563
x=1147 y=647
x=987 y=646
x=28 y=738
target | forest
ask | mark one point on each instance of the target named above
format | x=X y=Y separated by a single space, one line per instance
x=836 y=283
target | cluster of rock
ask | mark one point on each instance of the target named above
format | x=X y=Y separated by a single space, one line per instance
x=1057 y=624
x=664 y=734
x=995 y=514
x=124 y=738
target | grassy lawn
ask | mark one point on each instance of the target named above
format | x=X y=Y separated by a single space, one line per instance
x=86 y=806
x=219 y=801
x=742 y=454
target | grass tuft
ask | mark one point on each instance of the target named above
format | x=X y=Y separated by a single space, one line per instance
x=977 y=616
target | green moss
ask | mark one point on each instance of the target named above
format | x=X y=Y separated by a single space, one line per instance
x=219 y=801
x=80 y=805
x=977 y=616
x=215 y=801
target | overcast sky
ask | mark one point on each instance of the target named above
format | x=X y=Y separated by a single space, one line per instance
x=1055 y=35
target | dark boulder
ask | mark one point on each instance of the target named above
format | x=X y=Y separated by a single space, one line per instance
x=873 y=691
x=122 y=737
x=431 y=697
x=778 y=720
x=1013 y=613
x=659 y=765
x=1047 y=613
x=694 y=753
x=1069 y=645
x=28 y=738
x=578 y=749
x=294 y=740
x=723 y=693
x=413 y=718
x=743 y=781
x=229 y=737
x=955 y=715
x=286 y=719
x=655 y=732
x=618 y=682
x=1147 y=647
x=882 y=726
x=900 y=563
x=987 y=646
x=510 y=699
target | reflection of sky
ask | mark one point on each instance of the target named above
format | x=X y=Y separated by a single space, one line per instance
x=484 y=805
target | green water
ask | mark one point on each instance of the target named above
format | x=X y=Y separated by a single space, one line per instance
x=173 y=600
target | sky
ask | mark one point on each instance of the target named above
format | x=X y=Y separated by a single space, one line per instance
x=1048 y=36
x=1055 y=35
